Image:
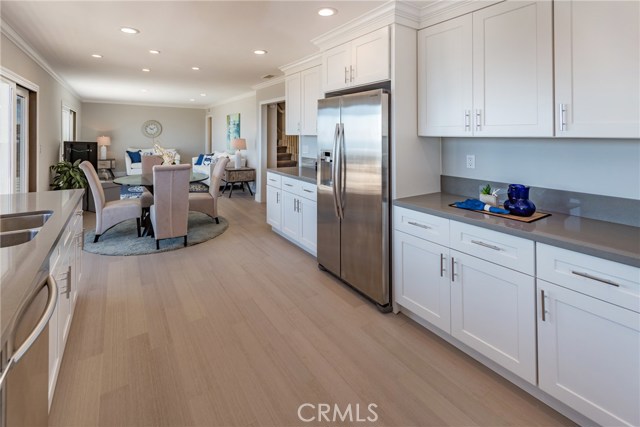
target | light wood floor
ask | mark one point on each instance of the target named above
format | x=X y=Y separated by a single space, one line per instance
x=243 y=329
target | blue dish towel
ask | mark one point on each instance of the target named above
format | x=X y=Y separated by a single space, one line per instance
x=477 y=205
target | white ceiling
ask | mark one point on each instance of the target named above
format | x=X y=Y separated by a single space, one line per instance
x=217 y=36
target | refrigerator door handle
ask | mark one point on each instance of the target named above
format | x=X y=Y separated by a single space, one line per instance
x=342 y=172
x=334 y=170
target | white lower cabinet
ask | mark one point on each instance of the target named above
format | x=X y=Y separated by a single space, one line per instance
x=292 y=210
x=65 y=265
x=421 y=278
x=589 y=355
x=493 y=312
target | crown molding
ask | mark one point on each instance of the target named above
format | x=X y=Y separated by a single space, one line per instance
x=233 y=99
x=305 y=63
x=442 y=10
x=5 y=72
x=12 y=35
x=271 y=82
x=142 y=104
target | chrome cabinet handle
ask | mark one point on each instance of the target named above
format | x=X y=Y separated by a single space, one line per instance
x=453 y=270
x=52 y=300
x=69 y=281
x=441 y=265
x=288 y=185
x=543 y=309
x=308 y=191
x=486 y=245
x=417 y=224
x=78 y=213
x=597 y=279
x=478 y=119
x=563 y=117
x=350 y=73
x=345 y=75
x=467 y=120
x=277 y=198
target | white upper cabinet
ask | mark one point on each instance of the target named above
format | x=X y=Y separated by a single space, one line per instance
x=302 y=91
x=597 y=68
x=444 y=85
x=362 y=61
x=489 y=73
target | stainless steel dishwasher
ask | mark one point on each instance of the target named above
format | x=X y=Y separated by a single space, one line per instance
x=24 y=371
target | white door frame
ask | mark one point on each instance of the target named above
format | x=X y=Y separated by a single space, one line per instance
x=261 y=176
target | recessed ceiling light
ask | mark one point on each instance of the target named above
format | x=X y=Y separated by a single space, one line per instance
x=260 y=52
x=203 y=94
x=195 y=68
x=327 y=11
x=143 y=90
x=154 y=52
x=95 y=55
x=192 y=100
x=146 y=70
x=129 y=30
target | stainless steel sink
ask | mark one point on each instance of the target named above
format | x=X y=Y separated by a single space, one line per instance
x=24 y=221
x=13 y=238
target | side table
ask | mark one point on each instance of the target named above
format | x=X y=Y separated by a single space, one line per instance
x=242 y=176
x=107 y=166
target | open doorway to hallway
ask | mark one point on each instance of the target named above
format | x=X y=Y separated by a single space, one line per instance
x=282 y=149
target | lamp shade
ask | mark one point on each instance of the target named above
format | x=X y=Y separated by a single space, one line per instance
x=104 y=140
x=239 y=144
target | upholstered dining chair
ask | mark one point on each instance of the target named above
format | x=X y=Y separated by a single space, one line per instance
x=207 y=203
x=111 y=213
x=148 y=162
x=170 y=209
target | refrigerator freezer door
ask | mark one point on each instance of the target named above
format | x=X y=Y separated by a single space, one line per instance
x=365 y=181
x=328 y=221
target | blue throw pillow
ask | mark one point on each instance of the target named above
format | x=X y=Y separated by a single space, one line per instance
x=208 y=159
x=135 y=156
x=199 y=161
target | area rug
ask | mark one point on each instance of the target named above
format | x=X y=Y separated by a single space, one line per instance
x=123 y=239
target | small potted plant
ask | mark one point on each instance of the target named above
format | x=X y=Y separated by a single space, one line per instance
x=69 y=176
x=489 y=195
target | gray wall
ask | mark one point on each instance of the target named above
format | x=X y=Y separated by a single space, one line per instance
x=598 y=166
x=247 y=109
x=51 y=96
x=182 y=128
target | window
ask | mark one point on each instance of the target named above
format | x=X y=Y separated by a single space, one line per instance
x=14 y=137
x=68 y=124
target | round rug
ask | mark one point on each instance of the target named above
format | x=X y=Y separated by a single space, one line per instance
x=122 y=239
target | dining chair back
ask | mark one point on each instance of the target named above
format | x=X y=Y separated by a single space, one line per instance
x=148 y=162
x=207 y=203
x=170 y=209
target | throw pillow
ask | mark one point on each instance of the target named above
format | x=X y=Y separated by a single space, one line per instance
x=208 y=159
x=199 y=161
x=135 y=156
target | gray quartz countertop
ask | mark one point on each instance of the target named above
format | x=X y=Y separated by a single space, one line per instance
x=301 y=173
x=615 y=242
x=22 y=266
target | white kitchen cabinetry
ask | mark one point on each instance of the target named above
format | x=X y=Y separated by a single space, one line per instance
x=484 y=305
x=489 y=73
x=65 y=264
x=589 y=334
x=597 y=68
x=302 y=91
x=292 y=210
x=362 y=61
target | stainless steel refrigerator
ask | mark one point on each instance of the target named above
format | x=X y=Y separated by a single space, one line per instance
x=354 y=192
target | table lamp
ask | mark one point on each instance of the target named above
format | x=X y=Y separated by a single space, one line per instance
x=103 y=141
x=239 y=144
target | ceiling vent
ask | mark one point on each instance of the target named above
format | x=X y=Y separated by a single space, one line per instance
x=268 y=76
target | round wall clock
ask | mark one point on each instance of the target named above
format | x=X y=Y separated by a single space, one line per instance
x=151 y=128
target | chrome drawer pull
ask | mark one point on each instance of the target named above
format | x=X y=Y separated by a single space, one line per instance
x=288 y=185
x=308 y=191
x=543 y=308
x=441 y=265
x=486 y=245
x=589 y=276
x=417 y=224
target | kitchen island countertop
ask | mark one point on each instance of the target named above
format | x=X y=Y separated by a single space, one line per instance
x=607 y=240
x=301 y=173
x=21 y=265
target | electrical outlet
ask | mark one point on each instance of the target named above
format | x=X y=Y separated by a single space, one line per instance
x=471 y=161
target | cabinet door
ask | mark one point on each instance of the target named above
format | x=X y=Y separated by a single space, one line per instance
x=293 y=95
x=274 y=207
x=493 y=312
x=421 y=278
x=445 y=77
x=290 y=220
x=370 y=58
x=308 y=210
x=597 y=68
x=513 y=70
x=335 y=68
x=311 y=92
x=589 y=353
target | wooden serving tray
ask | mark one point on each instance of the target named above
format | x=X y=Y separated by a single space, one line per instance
x=536 y=215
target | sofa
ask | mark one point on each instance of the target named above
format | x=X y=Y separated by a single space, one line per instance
x=207 y=168
x=136 y=168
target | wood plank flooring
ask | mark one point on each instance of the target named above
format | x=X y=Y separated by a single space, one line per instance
x=243 y=329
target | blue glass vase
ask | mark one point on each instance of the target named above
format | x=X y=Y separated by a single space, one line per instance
x=519 y=203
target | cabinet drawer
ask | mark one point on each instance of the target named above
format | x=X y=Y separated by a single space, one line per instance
x=603 y=279
x=512 y=252
x=418 y=224
x=291 y=185
x=274 y=180
x=308 y=190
